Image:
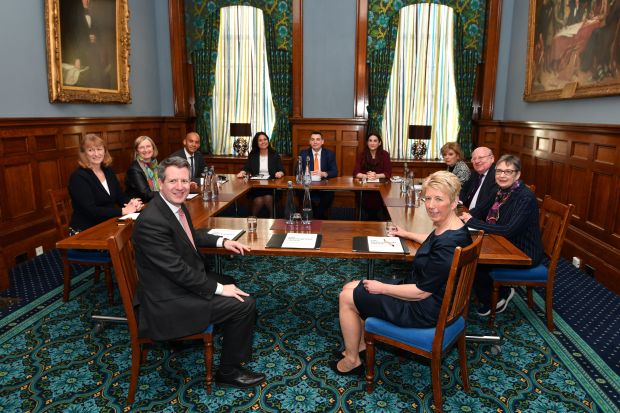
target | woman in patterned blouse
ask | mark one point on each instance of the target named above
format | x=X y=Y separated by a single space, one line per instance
x=453 y=157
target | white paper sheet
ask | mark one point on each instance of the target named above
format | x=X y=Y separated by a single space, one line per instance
x=294 y=240
x=133 y=216
x=384 y=244
x=191 y=196
x=259 y=177
x=373 y=181
x=225 y=232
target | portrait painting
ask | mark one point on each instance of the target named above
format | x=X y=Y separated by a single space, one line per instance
x=573 y=49
x=87 y=50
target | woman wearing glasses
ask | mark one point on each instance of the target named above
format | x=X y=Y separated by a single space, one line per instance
x=513 y=213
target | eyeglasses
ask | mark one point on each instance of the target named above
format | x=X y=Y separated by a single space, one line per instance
x=175 y=181
x=506 y=172
x=479 y=158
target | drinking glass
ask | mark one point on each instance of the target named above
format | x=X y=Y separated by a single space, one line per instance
x=252 y=221
x=389 y=228
x=296 y=220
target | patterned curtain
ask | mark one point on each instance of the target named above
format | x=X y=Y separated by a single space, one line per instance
x=280 y=74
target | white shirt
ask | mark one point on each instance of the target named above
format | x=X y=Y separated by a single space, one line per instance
x=263 y=169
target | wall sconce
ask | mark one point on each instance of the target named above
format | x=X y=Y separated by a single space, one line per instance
x=419 y=133
x=240 y=131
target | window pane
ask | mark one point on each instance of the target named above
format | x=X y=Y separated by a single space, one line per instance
x=422 y=86
x=242 y=91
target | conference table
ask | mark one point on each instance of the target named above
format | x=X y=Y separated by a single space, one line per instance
x=336 y=235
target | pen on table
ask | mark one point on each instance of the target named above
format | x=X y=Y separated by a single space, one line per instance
x=388 y=242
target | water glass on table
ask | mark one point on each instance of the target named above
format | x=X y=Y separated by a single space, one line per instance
x=389 y=228
x=252 y=222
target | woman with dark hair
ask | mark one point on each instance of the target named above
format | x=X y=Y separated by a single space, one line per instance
x=265 y=161
x=512 y=213
x=373 y=163
x=141 y=177
x=95 y=192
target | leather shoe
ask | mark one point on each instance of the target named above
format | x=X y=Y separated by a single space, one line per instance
x=338 y=354
x=356 y=371
x=239 y=377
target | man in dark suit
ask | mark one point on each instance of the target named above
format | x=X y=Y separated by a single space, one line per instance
x=176 y=296
x=322 y=166
x=191 y=152
x=480 y=189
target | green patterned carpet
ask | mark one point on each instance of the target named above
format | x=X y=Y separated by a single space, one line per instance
x=50 y=360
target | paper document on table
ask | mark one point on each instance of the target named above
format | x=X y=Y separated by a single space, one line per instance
x=385 y=244
x=294 y=240
x=191 y=196
x=232 y=234
x=373 y=181
x=133 y=216
x=260 y=177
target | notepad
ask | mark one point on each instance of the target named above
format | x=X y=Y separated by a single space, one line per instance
x=132 y=216
x=232 y=234
x=259 y=177
x=192 y=196
x=295 y=241
x=380 y=244
x=373 y=181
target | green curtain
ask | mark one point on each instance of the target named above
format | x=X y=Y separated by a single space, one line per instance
x=465 y=62
x=281 y=77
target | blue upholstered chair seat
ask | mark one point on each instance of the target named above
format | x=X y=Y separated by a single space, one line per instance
x=209 y=329
x=95 y=257
x=421 y=338
x=534 y=274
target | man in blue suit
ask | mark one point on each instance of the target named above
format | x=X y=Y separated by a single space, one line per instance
x=322 y=162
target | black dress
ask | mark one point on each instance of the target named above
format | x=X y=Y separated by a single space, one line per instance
x=431 y=268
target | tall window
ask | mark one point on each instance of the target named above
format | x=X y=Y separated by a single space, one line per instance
x=422 y=87
x=242 y=91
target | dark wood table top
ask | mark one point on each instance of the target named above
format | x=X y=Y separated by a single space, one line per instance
x=337 y=235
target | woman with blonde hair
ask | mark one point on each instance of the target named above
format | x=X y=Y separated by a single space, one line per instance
x=415 y=300
x=141 y=177
x=95 y=192
x=453 y=157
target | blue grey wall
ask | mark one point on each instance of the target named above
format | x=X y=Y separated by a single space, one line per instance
x=23 y=69
x=509 y=103
x=329 y=58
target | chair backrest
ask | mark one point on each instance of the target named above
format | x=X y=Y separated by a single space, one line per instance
x=123 y=260
x=458 y=287
x=554 y=220
x=62 y=209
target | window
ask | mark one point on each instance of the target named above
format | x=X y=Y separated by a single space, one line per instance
x=242 y=91
x=422 y=88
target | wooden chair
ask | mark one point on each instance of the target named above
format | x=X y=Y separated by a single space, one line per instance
x=61 y=208
x=433 y=343
x=121 y=251
x=554 y=220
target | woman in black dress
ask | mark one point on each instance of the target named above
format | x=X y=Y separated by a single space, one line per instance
x=416 y=301
x=95 y=192
x=262 y=160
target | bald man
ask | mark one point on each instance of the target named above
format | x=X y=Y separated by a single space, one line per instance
x=481 y=187
x=191 y=152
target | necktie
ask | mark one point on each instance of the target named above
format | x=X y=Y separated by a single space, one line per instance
x=316 y=162
x=191 y=164
x=473 y=189
x=185 y=226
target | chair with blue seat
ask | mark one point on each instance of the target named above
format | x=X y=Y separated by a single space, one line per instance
x=61 y=209
x=433 y=343
x=123 y=259
x=554 y=220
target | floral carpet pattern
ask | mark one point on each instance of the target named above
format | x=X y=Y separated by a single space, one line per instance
x=51 y=360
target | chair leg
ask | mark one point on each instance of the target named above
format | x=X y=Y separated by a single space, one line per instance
x=494 y=298
x=463 y=361
x=436 y=380
x=97 y=269
x=108 y=283
x=136 y=356
x=370 y=363
x=530 y=297
x=549 y=308
x=66 y=276
x=208 y=353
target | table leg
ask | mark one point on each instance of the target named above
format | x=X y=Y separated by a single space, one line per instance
x=370 y=270
x=359 y=207
x=66 y=275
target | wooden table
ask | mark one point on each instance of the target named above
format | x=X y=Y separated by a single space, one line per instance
x=337 y=235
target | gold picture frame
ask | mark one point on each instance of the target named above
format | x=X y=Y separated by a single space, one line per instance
x=88 y=49
x=573 y=50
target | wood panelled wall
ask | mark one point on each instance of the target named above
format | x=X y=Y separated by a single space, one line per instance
x=578 y=164
x=40 y=153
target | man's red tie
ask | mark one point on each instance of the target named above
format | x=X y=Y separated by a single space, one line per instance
x=185 y=226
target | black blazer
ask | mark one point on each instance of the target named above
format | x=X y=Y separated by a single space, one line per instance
x=199 y=163
x=91 y=202
x=136 y=184
x=328 y=161
x=487 y=192
x=274 y=163
x=173 y=285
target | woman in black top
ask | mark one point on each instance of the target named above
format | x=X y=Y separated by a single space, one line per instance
x=262 y=160
x=512 y=213
x=416 y=301
x=141 y=179
x=95 y=191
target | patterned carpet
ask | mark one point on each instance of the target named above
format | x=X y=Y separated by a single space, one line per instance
x=50 y=360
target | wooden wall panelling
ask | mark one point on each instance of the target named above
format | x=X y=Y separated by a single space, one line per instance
x=578 y=164
x=41 y=153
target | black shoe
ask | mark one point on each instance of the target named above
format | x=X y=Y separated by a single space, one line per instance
x=356 y=371
x=338 y=354
x=239 y=377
